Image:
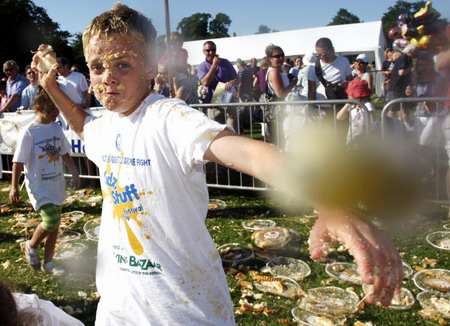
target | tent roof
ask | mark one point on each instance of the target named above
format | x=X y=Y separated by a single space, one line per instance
x=347 y=39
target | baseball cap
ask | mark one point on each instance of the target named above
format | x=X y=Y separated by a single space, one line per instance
x=309 y=59
x=363 y=57
x=358 y=88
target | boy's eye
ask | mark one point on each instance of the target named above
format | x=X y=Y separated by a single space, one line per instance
x=123 y=65
x=96 y=67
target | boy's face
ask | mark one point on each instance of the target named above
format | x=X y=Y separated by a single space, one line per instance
x=120 y=76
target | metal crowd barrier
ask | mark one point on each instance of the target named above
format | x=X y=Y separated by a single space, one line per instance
x=429 y=139
x=241 y=116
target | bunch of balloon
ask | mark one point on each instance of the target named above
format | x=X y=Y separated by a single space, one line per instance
x=420 y=28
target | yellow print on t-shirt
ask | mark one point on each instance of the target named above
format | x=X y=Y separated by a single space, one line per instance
x=50 y=150
x=125 y=200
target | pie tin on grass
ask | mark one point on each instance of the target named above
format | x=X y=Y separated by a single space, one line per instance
x=437 y=301
x=235 y=253
x=68 y=236
x=274 y=238
x=92 y=199
x=290 y=267
x=347 y=272
x=403 y=302
x=281 y=286
x=69 y=250
x=215 y=204
x=74 y=215
x=309 y=319
x=439 y=240
x=256 y=225
x=330 y=301
x=92 y=229
x=447 y=226
x=436 y=280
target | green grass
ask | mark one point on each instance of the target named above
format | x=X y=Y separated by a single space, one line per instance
x=77 y=289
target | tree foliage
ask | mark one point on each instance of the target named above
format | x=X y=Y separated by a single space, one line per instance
x=262 y=29
x=343 y=16
x=218 y=27
x=199 y=27
x=24 y=26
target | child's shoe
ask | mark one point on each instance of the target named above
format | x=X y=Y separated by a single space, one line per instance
x=52 y=269
x=32 y=256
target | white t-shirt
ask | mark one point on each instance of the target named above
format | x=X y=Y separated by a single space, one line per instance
x=333 y=72
x=358 y=118
x=157 y=263
x=284 y=80
x=40 y=147
x=37 y=312
x=73 y=86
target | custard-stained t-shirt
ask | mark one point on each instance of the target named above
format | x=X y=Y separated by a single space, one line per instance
x=157 y=263
x=40 y=147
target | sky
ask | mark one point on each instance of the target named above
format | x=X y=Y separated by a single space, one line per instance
x=246 y=15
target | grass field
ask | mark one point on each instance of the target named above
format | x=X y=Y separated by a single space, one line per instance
x=76 y=291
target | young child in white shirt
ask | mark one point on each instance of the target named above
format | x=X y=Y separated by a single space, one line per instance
x=42 y=148
x=358 y=130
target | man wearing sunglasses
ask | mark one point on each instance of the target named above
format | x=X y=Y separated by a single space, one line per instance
x=212 y=71
x=15 y=85
x=335 y=70
x=31 y=90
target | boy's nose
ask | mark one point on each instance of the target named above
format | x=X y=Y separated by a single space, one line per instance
x=108 y=77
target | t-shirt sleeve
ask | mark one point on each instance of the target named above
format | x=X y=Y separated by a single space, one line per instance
x=83 y=84
x=24 y=147
x=312 y=73
x=348 y=68
x=190 y=132
x=20 y=86
x=202 y=70
x=65 y=145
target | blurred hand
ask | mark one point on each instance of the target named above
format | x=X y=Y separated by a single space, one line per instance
x=216 y=61
x=14 y=195
x=229 y=84
x=76 y=181
x=378 y=260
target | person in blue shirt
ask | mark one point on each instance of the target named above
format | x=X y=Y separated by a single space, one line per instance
x=15 y=85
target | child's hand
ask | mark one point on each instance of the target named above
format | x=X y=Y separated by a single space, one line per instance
x=378 y=260
x=14 y=195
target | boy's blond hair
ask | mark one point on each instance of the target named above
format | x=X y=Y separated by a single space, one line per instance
x=125 y=21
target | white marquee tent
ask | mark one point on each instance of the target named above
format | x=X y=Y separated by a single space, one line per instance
x=349 y=39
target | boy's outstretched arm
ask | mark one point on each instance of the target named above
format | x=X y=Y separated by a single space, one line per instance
x=377 y=259
x=14 y=193
x=76 y=182
x=71 y=112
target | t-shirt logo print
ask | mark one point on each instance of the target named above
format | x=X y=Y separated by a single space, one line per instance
x=125 y=199
x=50 y=150
x=119 y=142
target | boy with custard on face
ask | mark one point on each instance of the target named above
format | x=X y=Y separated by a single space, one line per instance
x=157 y=264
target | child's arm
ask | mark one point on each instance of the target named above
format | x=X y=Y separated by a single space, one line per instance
x=74 y=116
x=14 y=193
x=76 y=182
x=343 y=113
x=373 y=252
